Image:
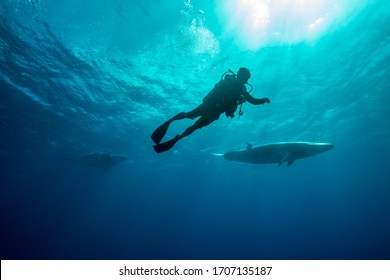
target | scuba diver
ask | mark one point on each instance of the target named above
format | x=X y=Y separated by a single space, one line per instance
x=225 y=97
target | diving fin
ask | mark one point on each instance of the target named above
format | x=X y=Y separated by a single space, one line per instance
x=159 y=133
x=159 y=148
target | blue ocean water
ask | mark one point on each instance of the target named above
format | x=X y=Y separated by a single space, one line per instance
x=87 y=76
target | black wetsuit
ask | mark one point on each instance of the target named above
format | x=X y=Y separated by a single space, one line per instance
x=223 y=98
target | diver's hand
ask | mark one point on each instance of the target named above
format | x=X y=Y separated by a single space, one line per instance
x=265 y=100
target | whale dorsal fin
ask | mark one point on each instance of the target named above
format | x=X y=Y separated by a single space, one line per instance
x=248 y=146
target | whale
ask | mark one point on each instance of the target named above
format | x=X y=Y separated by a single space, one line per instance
x=277 y=153
x=97 y=160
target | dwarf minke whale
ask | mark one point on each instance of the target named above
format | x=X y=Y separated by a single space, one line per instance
x=277 y=152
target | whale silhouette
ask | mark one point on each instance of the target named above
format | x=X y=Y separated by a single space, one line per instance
x=98 y=160
x=277 y=152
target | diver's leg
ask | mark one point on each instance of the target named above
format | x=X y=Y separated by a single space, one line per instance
x=203 y=121
x=159 y=148
x=180 y=116
x=188 y=131
x=197 y=112
x=160 y=132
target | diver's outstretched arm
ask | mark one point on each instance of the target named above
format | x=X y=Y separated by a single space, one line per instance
x=256 y=101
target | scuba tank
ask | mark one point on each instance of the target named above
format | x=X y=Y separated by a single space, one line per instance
x=217 y=95
x=229 y=75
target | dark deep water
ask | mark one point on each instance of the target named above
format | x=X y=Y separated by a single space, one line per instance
x=88 y=76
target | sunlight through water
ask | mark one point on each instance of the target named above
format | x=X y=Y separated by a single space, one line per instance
x=255 y=23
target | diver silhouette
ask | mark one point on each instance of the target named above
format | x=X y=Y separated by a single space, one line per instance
x=225 y=97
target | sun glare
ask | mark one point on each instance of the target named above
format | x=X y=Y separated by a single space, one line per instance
x=255 y=23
